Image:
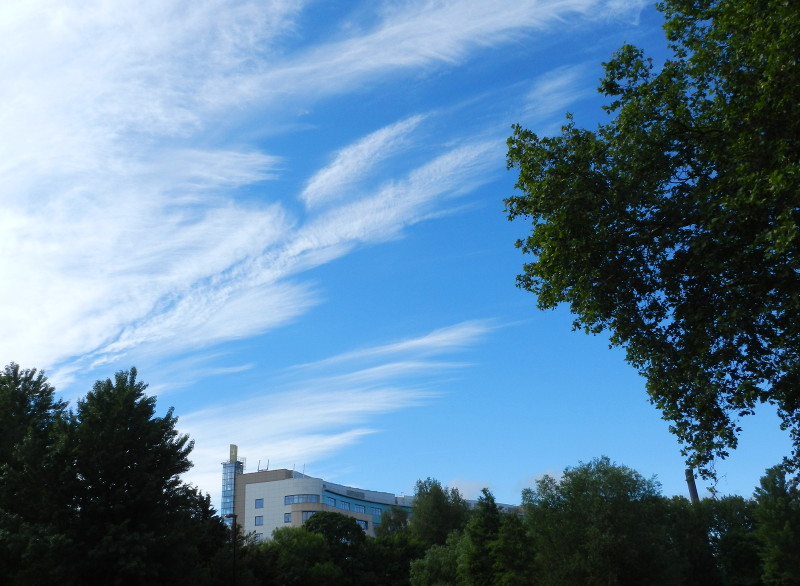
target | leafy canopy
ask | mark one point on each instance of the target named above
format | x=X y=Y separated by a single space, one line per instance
x=674 y=227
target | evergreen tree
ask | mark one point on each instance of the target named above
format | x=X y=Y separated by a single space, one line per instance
x=33 y=473
x=481 y=532
x=129 y=498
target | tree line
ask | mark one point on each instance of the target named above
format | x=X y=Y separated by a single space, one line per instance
x=93 y=495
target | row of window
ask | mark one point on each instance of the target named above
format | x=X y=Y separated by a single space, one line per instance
x=291 y=499
x=345 y=506
x=314 y=498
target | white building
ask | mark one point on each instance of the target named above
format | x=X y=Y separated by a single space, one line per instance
x=262 y=501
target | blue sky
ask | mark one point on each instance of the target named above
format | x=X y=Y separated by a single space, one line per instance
x=288 y=216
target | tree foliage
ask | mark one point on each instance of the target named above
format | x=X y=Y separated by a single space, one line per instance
x=600 y=524
x=778 y=515
x=393 y=521
x=129 y=493
x=437 y=511
x=439 y=567
x=95 y=495
x=675 y=226
x=482 y=531
x=34 y=502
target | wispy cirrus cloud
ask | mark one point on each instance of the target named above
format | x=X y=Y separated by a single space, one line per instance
x=354 y=162
x=412 y=35
x=123 y=227
x=445 y=339
x=317 y=410
x=553 y=93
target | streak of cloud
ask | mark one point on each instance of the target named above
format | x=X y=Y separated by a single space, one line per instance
x=442 y=340
x=355 y=161
x=423 y=34
x=123 y=227
x=554 y=93
x=318 y=412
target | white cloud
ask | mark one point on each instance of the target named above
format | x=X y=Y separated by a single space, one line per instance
x=355 y=161
x=442 y=340
x=122 y=225
x=421 y=34
x=554 y=93
x=318 y=412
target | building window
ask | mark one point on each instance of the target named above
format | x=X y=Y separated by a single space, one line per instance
x=259 y=536
x=359 y=508
x=259 y=503
x=291 y=499
x=307 y=515
x=287 y=517
x=259 y=521
x=363 y=524
x=329 y=500
x=345 y=506
x=376 y=512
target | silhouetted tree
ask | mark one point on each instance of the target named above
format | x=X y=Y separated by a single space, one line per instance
x=600 y=524
x=778 y=515
x=437 y=511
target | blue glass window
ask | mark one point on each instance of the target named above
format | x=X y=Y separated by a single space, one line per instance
x=291 y=499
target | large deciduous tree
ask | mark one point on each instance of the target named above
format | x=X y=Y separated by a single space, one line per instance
x=437 y=511
x=601 y=523
x=674 y=227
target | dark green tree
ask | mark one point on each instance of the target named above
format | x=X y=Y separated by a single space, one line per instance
x=300 y=557
x=716 y=541
x=481 y=532
x=513 y=553
x=342 y=534
x=600 y=524
x=437 y=511
x=778 y=515
x=95 y=496
x=388 y=558
x=674 y=227
x=689 y=527
x=733 y=539
x=394 y=520
x=129 y=498
x=33 y=471
x=440 y=565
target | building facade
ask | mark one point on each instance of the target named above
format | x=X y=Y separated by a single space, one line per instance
x=263 y=501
